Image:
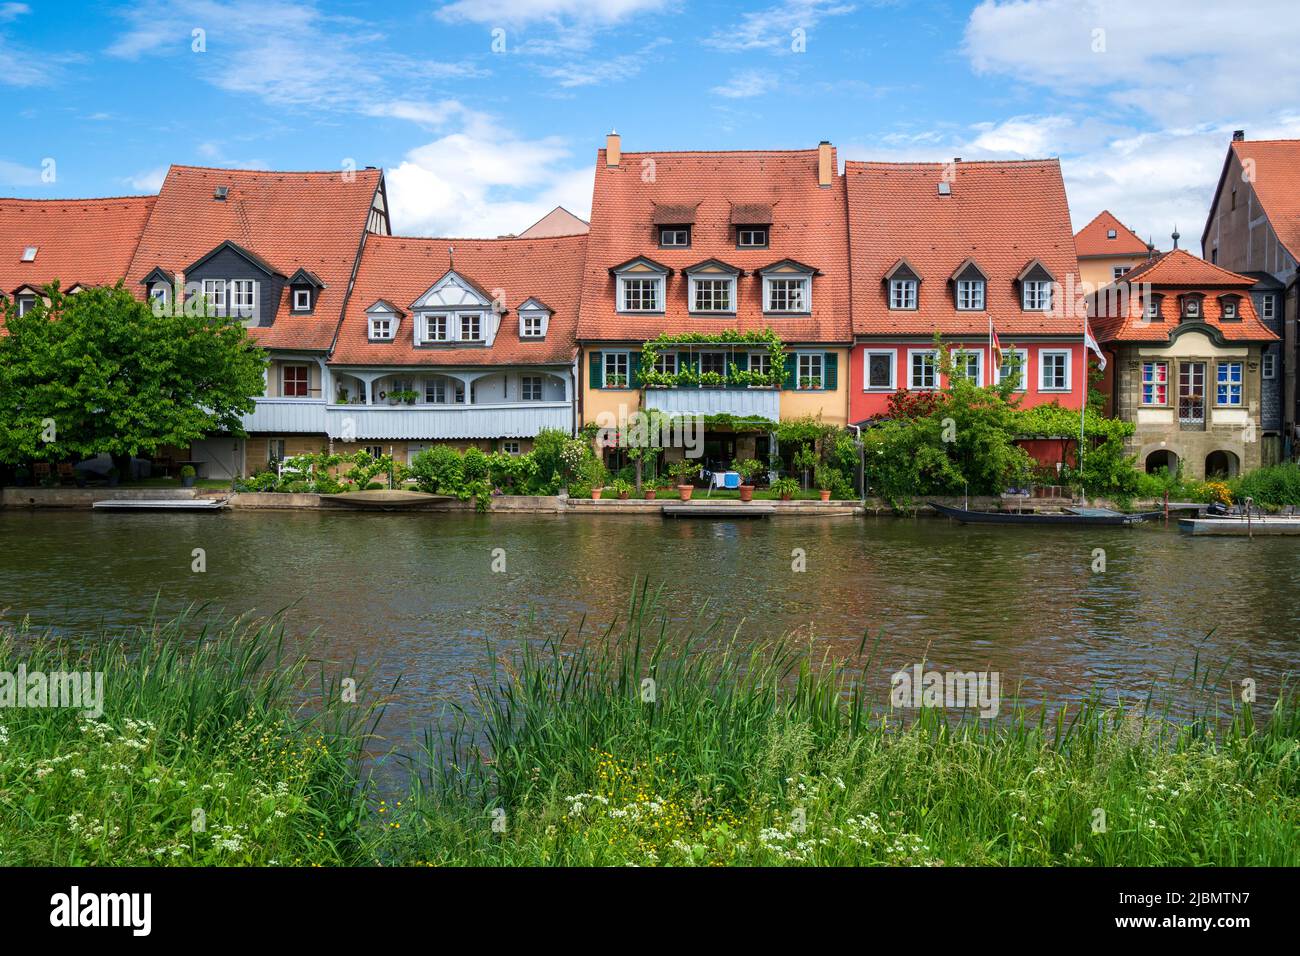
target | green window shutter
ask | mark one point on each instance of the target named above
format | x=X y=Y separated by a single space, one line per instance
x=686 y=360
x=597 y=374
x=742 y=361
x=830 y=371
x=634 y=370
x=791 y=367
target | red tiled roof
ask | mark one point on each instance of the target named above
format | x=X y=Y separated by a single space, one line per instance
x=1170 y=275
x=79 y=241
x=1277 y=185
x=399 y=270
x=1004 y=215
x=1094 y=239
x=808 y=226
x=291 y=220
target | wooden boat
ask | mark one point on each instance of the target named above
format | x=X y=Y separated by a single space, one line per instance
x=1097 y=517
x=166 y=504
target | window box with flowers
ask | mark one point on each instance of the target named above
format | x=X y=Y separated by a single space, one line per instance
x=735 y=344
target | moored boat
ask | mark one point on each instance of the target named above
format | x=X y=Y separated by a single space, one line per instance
x=1102 y=517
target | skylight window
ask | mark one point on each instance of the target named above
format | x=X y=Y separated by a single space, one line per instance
x=221 y=192
x=29 y=254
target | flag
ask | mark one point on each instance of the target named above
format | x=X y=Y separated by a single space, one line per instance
x=1091 y=343
x=994 y=345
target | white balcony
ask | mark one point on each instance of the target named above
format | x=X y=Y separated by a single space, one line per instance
x=283 y=416
x=741 y=402
x=503 y=420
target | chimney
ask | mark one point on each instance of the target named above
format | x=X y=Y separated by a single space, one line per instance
x=613 y=149
x=1238 y=135
x=825 y=164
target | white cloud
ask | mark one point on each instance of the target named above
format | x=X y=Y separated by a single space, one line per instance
x=574 y=72
x=12 y=11
x=149 y=181
x=1178 y=61
x=16 y=174
x=745 y=84
x=525 y=11
x=483 y=181
x=771 y=29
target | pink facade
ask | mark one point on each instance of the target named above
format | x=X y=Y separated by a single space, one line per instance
x=870 y=402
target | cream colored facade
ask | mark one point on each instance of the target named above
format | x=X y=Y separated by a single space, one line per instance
x=1099 y=271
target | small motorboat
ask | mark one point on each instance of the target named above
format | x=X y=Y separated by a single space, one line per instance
x=1102 y=517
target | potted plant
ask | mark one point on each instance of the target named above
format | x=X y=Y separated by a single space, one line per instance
x=391 y=396
x=825 y=482
x=684 y=472
x=409 y=396
x=748 y=470
x=343 y=395
x=187 y=476
x=620 y=487
x=786 y=488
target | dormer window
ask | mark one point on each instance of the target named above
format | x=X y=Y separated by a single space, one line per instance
x=1191 y=306
x=29 y=254
x=471 y=327
x=1151 y=311
x=787 y=287
x=1037 y=296
x=1111 y=234
x=159 y=292
x=640 y=283
x=382 y=328
x=304 y=286
x=902 y=293
x=26 y=303
x=534 y=317
x=712 y=287
x=302 y=300
x=1230 y=311
x=214 y=294
x=674 y=237
x=751 y=237
x=970 y=295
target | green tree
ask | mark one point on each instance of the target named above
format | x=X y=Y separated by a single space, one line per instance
x=101 y=371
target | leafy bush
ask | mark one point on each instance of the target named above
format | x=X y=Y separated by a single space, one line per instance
x=1275 y=485
x=438 y=470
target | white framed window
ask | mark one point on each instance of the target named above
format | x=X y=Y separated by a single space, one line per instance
x=26 y=303
x=532 y=326
x=1229 y=309
x=811 y=371
x=471 y=326
x=760 y=363
x=1267 y=304
x=902 y=293
x=1152 y=310
x=671 y=237
x=437 y=327
x=382 y=328
x=302 y=300
x=530 y=388
x=435 y=391
x=879 y=370
x=159 y=292
x=1014 y=366
x=970 y=295
x=969 y=365
x=1053 y=371
x=1037 y=295
x=712 y=295
x=214 y=293
x=510 y=447
x=374 y=451
x=922 y=369
x=1191 y=307
x=1118 y=272
x=1228 y=384
x=274 y=450
x=751 y=237
x=666 y=363
x=1155 y=383
x=640 y=294
x=29 y=253
x=1268 y=365
x=616 y=370
x=786 y=295
x=243 y=296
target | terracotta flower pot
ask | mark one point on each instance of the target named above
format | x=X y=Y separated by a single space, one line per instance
x=622 y=496
x=595 y=493
x=746 y=492
x=650 y=494
x=685 y=491
x=826 y=494
x=787 y=496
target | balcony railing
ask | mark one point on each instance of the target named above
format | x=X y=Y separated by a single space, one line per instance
x=362 y=422
x=741 y=402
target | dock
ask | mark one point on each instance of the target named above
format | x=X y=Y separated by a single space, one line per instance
x=751 y=509
x=161 y=504
x=1267 y=525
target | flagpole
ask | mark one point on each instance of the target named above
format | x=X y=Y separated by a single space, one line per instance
x=1083 y=405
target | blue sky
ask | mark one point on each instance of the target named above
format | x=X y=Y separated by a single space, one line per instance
x=486 y=114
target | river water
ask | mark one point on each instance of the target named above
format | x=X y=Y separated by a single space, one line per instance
x=417 y=596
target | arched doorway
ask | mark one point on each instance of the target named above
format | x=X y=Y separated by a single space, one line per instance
x=1162 y=458
x=1221 y=464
